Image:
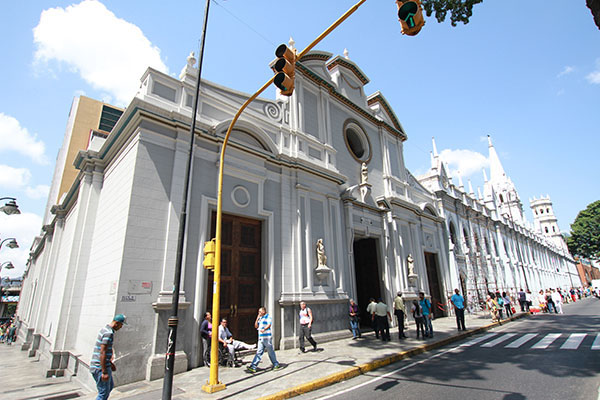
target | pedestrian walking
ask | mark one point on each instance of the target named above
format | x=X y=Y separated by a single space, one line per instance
x=459 y=309
x=522 y=299
x=101 y=365
x=427 y=314
x=371 y=311
x=507 y=304
x=263 y=325
x=354 y=319
x=550 y=302
x=382 y=317
x=557 y=298
x=306 y=320
x=500 y=302
x=528 y=300
x=400 y=312
x=418 y=316
x=12 y=334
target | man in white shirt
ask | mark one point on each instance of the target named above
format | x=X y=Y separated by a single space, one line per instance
x=371 y=311
x=382 y=317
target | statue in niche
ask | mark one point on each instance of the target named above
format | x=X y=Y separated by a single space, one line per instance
x=321 y=257
x=410 y=261
x=412 y=276
x=364 y=173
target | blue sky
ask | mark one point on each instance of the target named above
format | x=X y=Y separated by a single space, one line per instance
x=525 y=72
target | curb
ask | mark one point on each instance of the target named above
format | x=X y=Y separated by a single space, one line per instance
x=378 y=363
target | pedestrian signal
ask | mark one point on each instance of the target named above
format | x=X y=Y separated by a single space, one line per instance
x=209 y=255
x=410 y=15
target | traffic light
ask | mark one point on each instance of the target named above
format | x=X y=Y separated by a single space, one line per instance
x=410 y=15
x=285 y=69
x=209 y=254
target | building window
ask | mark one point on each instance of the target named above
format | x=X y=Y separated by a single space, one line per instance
x=357 y=142
x=501 y=199
x=553 y=229
x=546 y=229
x=542 y=211
x=547 y=211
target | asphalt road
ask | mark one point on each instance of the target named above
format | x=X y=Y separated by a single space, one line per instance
x=545 y=357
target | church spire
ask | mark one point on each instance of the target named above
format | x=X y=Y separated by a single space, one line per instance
x=496 y=170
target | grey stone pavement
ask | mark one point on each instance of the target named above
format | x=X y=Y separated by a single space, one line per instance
x=24 y=378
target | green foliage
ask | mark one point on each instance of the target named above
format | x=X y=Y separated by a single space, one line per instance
x=585 y=233
x=460 y=10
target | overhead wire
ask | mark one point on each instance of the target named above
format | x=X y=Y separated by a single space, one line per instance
x=245 y=23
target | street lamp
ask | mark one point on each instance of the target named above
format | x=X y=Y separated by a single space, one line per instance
x=8 y=265
x=10 y=207
x=12 y=244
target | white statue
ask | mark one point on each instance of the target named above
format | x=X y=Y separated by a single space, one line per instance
x=411 y=265
x=321 y=257
x=364 y=173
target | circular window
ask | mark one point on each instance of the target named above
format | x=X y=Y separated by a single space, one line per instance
x=357 y=142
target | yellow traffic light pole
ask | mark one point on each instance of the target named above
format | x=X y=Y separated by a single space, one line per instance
x=213 y=385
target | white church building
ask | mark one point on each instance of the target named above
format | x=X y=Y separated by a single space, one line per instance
x=324 y=164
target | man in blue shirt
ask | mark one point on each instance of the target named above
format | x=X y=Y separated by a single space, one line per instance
x=459 y=309
x=427 y=314
x=265 y=340
x=101 y=365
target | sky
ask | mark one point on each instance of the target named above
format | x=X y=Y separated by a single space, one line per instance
x=525 y=72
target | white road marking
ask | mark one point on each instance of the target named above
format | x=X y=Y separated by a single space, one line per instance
x=521 y=341
x=596 y=344
x=546 y=341
x=573 y=341
x=479 y=339
x=499 y=340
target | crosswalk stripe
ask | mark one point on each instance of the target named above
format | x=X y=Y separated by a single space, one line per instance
x=546 y=341
x=479 y=339
x=499 y=340
x=522 y=340
x=573 y=342
x=596 y=344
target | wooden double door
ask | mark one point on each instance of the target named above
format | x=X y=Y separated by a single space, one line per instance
x=241 y=280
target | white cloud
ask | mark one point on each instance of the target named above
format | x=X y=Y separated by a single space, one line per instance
x=23 y=227
x=14 y=137
x=566 y=71
x=19 y=179
x=594 y=76
x=467 y=162
x=37 y=192
x=108 y=52
x=14 y=178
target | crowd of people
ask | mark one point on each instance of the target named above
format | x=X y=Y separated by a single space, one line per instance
x=421 y=309
x=8 y=332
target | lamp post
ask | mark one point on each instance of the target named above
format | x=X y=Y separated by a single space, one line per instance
x=213 y=384
x=8 y=265
x=10 y=207
x=173 y=318
x=12 y=244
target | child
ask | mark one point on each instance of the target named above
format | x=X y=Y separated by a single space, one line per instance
x=418 y=316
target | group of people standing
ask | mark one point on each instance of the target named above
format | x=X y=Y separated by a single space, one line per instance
x=380 y=317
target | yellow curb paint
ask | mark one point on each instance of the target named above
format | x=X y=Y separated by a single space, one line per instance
x=370 y=366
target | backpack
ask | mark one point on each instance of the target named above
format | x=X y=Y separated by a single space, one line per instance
x=500 y=301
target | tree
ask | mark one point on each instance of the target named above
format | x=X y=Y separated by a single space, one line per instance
x=585 y=233
x=594 y=6
x=460 y=10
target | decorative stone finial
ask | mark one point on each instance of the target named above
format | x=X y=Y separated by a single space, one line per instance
x=346 y=54
x=191 y=60
x=292 y=43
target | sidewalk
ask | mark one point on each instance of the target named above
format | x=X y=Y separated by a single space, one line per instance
x=336 y=361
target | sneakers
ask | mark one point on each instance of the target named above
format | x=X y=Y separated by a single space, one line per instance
x=251 y=369
x=276 y=367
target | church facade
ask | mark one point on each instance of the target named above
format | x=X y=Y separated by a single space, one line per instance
x=318 y=207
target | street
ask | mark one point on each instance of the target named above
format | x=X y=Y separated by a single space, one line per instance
x=545 y=356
